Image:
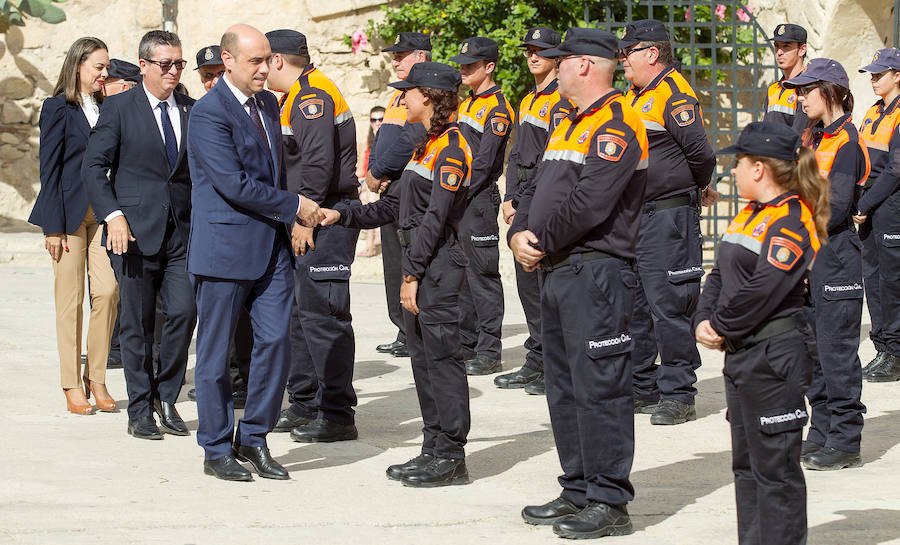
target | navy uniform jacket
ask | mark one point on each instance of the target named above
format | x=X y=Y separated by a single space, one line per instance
x=782 y=107
x=881 y=133
x=842 y=158
x=484 y=121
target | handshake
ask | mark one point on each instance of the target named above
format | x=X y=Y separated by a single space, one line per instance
x=310 y=215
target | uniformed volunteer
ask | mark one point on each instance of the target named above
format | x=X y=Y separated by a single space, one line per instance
x=320 y=159
x=210 y=66
x=669 y=248
x=752 y=308
x=835 y=282
x=391 y=151
x=484 y=120
x=539 y=113
x=878 y=213
x=579 y=222
x=429 y=205
x=781 y=104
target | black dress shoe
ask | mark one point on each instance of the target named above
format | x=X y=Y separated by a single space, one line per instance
x=550 y=512
x=389 y=347
x=595 y=520
x=239 y=399
x=876 y=361
x=321 y=430
x=144 y=428
x=169 y=419
x=829 y=459
x=517 y=379
x=400 y=352
x=192 y=394
x=645 y=406
x=262 y=461
x=289 y=420
x=227 y=469
x=536 y=387
x=396 y=472
x=482 y=365
x=807 y=448
x=888 y=371
x=671 y=412
x=438 y=472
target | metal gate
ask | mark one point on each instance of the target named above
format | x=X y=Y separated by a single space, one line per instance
x=725 y=56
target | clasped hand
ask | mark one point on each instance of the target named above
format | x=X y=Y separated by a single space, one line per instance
x=707 y=336
x=522 y=246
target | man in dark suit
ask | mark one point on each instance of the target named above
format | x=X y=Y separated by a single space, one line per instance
x=240 y=254
x=145 y=203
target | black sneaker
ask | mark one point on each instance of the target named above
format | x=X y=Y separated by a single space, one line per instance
x=550 y=512
x=671 y=412
x=536 y=387
x=288 y=420
x=645 y=406
x=872 y=365
x=888 y=371
x=321 y=430
x=517 y=379
x=438 y=472
x=396 y=472
x=482 y=365
x=829 y=459
x=807 y=448
x=595 y=520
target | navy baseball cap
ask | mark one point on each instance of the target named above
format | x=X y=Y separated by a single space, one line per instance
x=477 y=49
x=885 y=59
x=287 y=42
x=541 y=36
x=767 y=139
x=410 y=41
x=645 y=30
x=585 y=41
x=789 y=33
x=820 y=69
x=209 y=55
x=436 y=75
x=119 y=69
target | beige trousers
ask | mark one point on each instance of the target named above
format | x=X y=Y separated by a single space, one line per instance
x=85 y=251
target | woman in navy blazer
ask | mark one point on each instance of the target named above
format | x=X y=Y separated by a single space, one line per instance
x=71 y=232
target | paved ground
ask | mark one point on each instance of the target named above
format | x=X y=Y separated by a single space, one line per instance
x=78 y=479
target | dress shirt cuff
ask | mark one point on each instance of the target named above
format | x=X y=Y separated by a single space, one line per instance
x=114 y=214
x=299 y=204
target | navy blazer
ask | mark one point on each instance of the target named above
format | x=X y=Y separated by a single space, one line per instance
x=240 y=202
x=127 y=142
x=62 y=202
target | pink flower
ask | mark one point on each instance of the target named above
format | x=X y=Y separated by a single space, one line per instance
x=720 y=11
x=743 y=15
x=359 y=40
x=687 y=14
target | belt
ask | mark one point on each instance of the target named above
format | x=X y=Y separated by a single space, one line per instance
x=406 y=236
x=555 y=261
x=767 y=330
x=670 y=202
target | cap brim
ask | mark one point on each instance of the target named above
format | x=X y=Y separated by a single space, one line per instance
x=730 y=150
x=557 y=51
x=628 y=43
x=537 y=43
x=785 y=39
x=402 y=84
x=799 y=81
x=397 y=48
x=209 y=63
x=874 y=68
x=465 y=59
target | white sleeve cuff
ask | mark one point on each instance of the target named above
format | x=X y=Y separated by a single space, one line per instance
x=115 y=214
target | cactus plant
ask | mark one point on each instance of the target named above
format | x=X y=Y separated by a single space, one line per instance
x=14 y=12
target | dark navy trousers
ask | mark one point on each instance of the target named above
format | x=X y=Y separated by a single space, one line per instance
x=881 y=273
x=528 y=285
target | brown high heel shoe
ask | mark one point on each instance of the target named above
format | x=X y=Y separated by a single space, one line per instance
x=106 y=405
x=75 y=405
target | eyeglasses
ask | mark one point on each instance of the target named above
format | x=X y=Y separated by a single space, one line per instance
x=879 y=75
x=165 y=66
x=805 y=90
x=528 y=54
x=376 y=119
x=623 y=54
x=559 y=60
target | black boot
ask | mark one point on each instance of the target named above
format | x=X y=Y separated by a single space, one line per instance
x=321 y=430
x=398 y=471
x=875 y=363
x=550 y=512
x=438 y=472
x=595 y=520
x=829 y=459
x=888 y=371
x=482 y=365
x=671 y=412
x=517 y=379
x=536 y=387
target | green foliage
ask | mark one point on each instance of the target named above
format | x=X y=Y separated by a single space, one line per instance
x=13 y=12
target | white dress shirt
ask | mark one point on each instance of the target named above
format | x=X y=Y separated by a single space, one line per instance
x=90 y=108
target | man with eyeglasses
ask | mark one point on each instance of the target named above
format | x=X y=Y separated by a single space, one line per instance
x=781 y=104
x=209 y=66
x=540 y=112
x=484 y=121
x=669 y=248
x=145 y=205
x=390 y=153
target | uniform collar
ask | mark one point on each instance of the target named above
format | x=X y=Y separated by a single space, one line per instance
x=309 y=68
x=777 y=201
x=574 y=116
x=659 y=77
x=493 y=90
x=889 y=108
x=834 y=128
x=548 y=90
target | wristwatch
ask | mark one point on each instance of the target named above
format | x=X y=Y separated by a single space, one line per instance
x=409 y=279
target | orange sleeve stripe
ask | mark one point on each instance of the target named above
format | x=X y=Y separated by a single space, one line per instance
x=791 y=234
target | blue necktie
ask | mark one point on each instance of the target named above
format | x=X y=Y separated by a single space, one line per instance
x=169 y=132
x=254 y=116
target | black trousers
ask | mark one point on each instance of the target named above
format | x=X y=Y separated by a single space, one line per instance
x=437 y=364
x=670 y=265
x=140 y=279
x=391 y=253
x=586 y=312
x=320 y=382
x=881 y=273
x=836 y=292
x=481 y=298
x=764 y=387
x=528 y=284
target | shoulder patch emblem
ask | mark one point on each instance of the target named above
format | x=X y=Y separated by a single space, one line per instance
x=610 y=147
x=451 y=177
x=647 y=105
x=683 y=115
x=783 y=253
x=499 y=126
x=481 y=112
x=312 y=108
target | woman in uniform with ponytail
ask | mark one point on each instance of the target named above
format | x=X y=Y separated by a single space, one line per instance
x=878 y=216
x=752 y=308
x=428 y=209
x=835 y=281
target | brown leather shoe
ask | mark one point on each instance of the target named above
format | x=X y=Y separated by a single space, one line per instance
x=76 y=402
x=104 y=401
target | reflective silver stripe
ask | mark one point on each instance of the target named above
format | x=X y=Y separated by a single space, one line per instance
x=643 y=164
x=536 y=121
x=471 y=122
x=340 y=118
x=653 y=126
x=564 y=155
x=783 y=109
x=287 y=130
x=746 y=241
x=421 y=170
x=467 y=181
